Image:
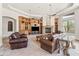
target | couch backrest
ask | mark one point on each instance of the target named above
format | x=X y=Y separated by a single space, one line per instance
x=15 y=35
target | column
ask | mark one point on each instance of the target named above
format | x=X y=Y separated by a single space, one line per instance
x=77 y=23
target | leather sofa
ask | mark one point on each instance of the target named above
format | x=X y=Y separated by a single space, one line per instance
x=49 y=44
x=17 y=40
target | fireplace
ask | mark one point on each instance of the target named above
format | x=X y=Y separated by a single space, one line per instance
x=48 y=30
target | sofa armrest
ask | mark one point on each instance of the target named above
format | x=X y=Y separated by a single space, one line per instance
x=10 y=37
x=46 y=42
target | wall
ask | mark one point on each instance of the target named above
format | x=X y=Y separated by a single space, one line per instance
x=0 y=24
x=44 y=24
x=77 y=23
x=5 y=31
x=51 y=23
x=12 y=14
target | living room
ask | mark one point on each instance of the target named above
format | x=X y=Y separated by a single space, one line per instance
x=37 y=22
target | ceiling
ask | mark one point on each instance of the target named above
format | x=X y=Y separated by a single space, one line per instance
x=38 y=8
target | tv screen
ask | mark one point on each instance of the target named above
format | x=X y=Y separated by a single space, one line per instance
x=35 y=28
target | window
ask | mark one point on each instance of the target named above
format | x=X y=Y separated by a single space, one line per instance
x=69 y=24
x=10 y=26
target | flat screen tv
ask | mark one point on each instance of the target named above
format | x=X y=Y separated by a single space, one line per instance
x=35 y=28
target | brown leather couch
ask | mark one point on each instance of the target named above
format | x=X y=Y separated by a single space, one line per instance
x=49 y=44
x=17 y=40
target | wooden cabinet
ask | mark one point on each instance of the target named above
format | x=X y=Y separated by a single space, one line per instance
x=26 y=24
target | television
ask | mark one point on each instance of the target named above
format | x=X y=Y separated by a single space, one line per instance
x=35 y=28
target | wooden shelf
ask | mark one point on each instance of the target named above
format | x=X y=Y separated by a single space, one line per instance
x=25 y=24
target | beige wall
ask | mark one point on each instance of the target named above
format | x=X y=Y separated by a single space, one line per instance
x=51 y=23
x=77 y=23
x=0 y=25
x=14 y=15
x=5 y=32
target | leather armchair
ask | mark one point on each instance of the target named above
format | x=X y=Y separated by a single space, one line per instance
x=17 y=40
x=48 y=44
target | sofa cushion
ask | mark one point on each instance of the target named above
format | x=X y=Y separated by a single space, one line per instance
x=11 y=37
x=15 y=35
x=51 y=38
